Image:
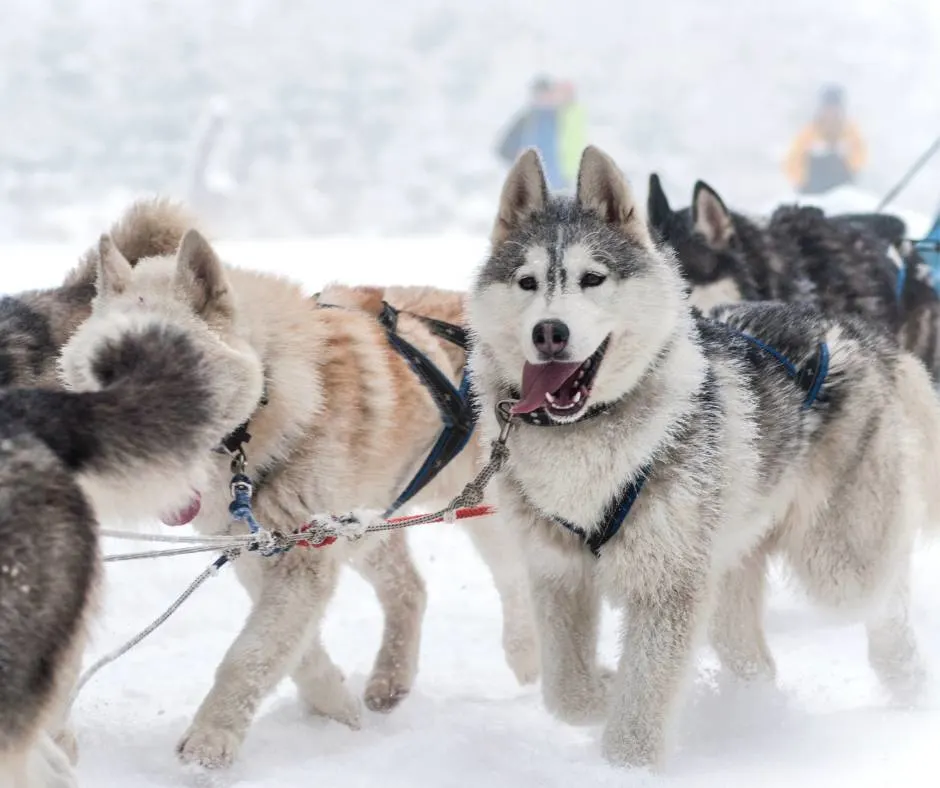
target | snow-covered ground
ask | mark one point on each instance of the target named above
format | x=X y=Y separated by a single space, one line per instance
x=467 y=723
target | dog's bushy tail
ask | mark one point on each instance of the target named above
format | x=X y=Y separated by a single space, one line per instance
x=150 y=227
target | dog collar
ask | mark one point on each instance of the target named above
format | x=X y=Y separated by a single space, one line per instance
x=233 y=444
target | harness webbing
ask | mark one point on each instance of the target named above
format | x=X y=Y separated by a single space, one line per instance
x=614 y=515
x=810 y=377
x=454 y=405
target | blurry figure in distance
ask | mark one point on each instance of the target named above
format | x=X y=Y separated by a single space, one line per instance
x=553 y=123
x=829 y=152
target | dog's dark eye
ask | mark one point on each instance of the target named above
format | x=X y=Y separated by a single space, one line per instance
x=592 y=280
x=528 y=283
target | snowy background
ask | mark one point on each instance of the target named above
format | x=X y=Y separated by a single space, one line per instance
x=467 y=724
x=376 y=117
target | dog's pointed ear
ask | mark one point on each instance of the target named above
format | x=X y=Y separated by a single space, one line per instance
x=603 y=189
x=201 y=276
x=657 y=204
x=710 y=217
x=525 y=192
x=114 y=271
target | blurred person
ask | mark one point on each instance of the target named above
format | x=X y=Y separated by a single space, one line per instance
x=829 y=152
x=552 y=123
x=572 y=130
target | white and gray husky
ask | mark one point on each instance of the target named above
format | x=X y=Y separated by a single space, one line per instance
x=659 y=458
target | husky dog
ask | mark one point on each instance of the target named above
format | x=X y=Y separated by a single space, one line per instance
x=344 y=424
x=716 y=446
x=34 y=325
x=151 y=399
x=847 y=265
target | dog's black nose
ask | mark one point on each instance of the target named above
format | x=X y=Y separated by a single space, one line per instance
x=550 y=337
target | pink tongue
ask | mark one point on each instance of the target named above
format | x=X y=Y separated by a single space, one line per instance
x=185 y=515
x=541 y=379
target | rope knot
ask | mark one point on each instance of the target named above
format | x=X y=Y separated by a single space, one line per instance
x=499 y=453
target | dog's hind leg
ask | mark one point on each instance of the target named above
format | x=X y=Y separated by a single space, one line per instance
x=737 y=631
x=389 y=567
x=59 y=725
x=892 y=645
x=500 y=549
x=289 y=601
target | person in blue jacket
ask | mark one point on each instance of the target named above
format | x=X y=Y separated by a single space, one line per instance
x=553 y=123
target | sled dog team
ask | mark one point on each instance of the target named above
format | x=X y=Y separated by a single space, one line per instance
x=689 y=395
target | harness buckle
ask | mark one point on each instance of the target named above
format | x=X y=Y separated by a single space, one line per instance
x=239 y=462
x=505 y=418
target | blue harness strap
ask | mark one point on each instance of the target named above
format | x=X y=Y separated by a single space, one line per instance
x=614 y=515
x=452 y=440
x=810 y=377
x=455 y=405
x=901 y=281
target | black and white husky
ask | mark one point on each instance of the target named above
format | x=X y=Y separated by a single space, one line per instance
x=659 y=458
x=855 y=264
x=149 y=400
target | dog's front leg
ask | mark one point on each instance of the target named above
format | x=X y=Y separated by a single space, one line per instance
x=288 y=605
x=567 y=606
x=501 y=551
x=660 y=635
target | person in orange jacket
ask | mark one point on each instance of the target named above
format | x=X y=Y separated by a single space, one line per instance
x=829 y=152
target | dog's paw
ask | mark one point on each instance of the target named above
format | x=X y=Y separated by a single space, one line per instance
x=583 y=701
x=906 y=686
x=627 y=748
x=522 y=656
x=67 y=742
x=49 y=766
x=211 y=748
x=383 y=693
x=335 y=702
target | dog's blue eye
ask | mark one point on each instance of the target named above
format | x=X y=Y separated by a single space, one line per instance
x=529 y=283
x=592 y=280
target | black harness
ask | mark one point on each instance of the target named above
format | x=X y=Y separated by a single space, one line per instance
x=233 y=443
x=615 y=513
x=455 y=404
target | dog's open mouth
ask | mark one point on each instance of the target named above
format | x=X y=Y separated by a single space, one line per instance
x=185 y=515
x=561 y=388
